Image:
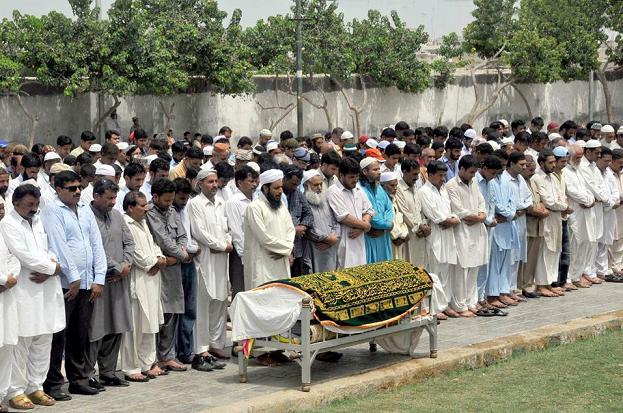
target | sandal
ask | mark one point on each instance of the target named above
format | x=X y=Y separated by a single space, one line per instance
x=613 y=278
x=484 y=312
x=499 y=313
x=21 y=402
x=149 y=375
x=41 y=398
x=137 y=378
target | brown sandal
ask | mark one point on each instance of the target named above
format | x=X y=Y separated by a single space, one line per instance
x=41 y=398
x=21 y=402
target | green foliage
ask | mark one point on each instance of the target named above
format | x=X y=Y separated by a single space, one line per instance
x=493 y=26
x=613 y=20
x=533 y=58
x=10 y=74
x=450 y=58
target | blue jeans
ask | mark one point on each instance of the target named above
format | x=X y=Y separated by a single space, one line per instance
x=185 y=341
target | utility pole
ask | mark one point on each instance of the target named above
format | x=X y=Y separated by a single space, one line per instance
x=100 y=96
x=299 y=70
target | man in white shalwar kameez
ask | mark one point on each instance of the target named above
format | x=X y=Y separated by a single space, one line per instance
x=471 y=236
x=9 y=270
x=208 y=226
x=353 y=210
x=594 y=179
x=550 y=194
x=268 y=234
x=40 y=303
x=440 y=245
x=400 y=232
x=408 y=203
x=616 y=250
x=601 y=267
x=138 y=351
x=582 y=223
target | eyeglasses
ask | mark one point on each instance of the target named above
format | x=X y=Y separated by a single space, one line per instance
x=72 y=188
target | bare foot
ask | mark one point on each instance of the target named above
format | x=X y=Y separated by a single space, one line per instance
x=467 y=314
x=569 y=286
x=442 y=316
x=496 y=303
x=451 y=313
x=595 y=280
x=507 y=300
x=546 y=292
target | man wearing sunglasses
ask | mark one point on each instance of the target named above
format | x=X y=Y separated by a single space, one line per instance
x=75 y=239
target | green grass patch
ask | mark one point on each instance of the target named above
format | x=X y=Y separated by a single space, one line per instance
x=584 y=376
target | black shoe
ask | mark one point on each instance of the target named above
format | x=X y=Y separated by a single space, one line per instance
x=58 y=395
x=215 y=363
x=114 y=381
x=372 y=347
x=82 y=389
x=528 y=294
x=96 y=385
x=200 y=363
x=186 y=360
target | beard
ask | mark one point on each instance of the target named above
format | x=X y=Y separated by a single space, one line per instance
x=3 y=190
x=274 y=203
x=314 y=198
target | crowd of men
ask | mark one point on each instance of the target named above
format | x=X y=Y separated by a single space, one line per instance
x=129 y=251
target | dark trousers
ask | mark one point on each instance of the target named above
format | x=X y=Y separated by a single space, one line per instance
x=185 y=341
x=74 y=341
x=166 y=337
x=105 y=352
x=236 y=273
x=565 y=257
x=299 y=267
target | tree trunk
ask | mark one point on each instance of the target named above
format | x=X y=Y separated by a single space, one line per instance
x=601 y=75
x=34 y=120
x=169 y=116
x=102 y=119
x=523 y=97
x=286 y=109
x=473 y=116
x=356 y=110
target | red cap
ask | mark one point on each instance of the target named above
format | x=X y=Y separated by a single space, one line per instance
x=552 y=125
x=363 y=139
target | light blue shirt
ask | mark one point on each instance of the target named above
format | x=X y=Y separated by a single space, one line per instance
x=76 y=241
x=452 y=172
x=505 y=202
x=484 y=190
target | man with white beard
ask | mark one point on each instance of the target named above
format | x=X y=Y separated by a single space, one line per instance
x=325 y=234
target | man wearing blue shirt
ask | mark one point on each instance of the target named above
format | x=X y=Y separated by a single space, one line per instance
x=75 y=239
x=454 y=147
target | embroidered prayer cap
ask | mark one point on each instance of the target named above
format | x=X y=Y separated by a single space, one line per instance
x=266 y=132
x=220 y=138
x=208 y=150
x=96 y=147
x=204 y=173
x=270 y=176
x=271 y=146
x=301 y=154
x=254 y=166
x=592 y=144
x=383 y=144
x=503 y=122
x=372 y=143
x=494 y=145
x=560 y=152
x=388 y=176
x=620 y=131
x=123 y=146
x=581 y=143
x=59 y=167
x=104 y=170
x=596 y=126
x=365 y=162
x=258 y=149
x=346 y=135
x=244 y=155
x=554 y=136
x=506 y=141
x=50 y=156
x=400 y=144
x=470 y=134
x=307 y=175
x=607 y=129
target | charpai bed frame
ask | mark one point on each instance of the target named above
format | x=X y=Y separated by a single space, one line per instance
x=307 y=351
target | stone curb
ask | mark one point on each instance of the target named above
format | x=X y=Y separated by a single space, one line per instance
x=398 y=374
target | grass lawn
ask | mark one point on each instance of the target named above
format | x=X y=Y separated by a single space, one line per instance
x=584 y=376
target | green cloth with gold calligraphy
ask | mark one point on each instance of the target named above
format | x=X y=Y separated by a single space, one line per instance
x=364 y=295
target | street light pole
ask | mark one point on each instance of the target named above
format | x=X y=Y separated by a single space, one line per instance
x=299 y=70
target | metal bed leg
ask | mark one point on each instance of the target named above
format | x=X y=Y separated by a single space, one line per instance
x=305 y=343
x=432 y=336
x=242 y=366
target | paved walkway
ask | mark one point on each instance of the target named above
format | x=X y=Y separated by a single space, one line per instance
x=194 y=391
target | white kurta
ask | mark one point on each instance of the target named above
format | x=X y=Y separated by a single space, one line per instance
x=266 y=230
x=41 y=307
x=471 y=240
x=582 y=220
x=344 y=202
x=144 y=287
x=610 y=215
x=208 y=227
x=408 y=202
x=595 y=181
x=399 y=231
x=9 y=265
x=441 y=243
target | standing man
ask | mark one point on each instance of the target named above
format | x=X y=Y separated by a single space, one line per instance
x=87 y=138
x=329 y=167
x=38 y=297
x=441 y=245
x=616 y=250
x=453 y=146
x=268 y=234
x=470 y=235
x=378 y=240
x=400 y=232
x=75 y=239
x=112 y=313
x=169 y=234
x=246 y=183
x=209 y=229
x=134 y=177
x=602 y=269
x=353 y=211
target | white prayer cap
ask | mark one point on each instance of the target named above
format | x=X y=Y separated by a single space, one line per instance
x=607 y=129
x=307 y=175
x=592 y=144
x=266 y=132
x=400 y=144
x=581 y=143
x=207 y=150
x=59 y=167
x=560 y=152
x=346 y=135
x=507 y=141
x=96 y=147
x=383 y=144
x=504 y=122
x=254 y=166
x=494 y=145
x=104 y=170
x=30 y=181
x=123 y=146
x=620 y=131
x=372 y=143
x=470 y=134
x=271 y=146
x=204 y=173
x=50 y=156
x=388 y=176
x=270 y=176
x=150 y=158
x=554 y=136
x=220 y=138
x=365 y=162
